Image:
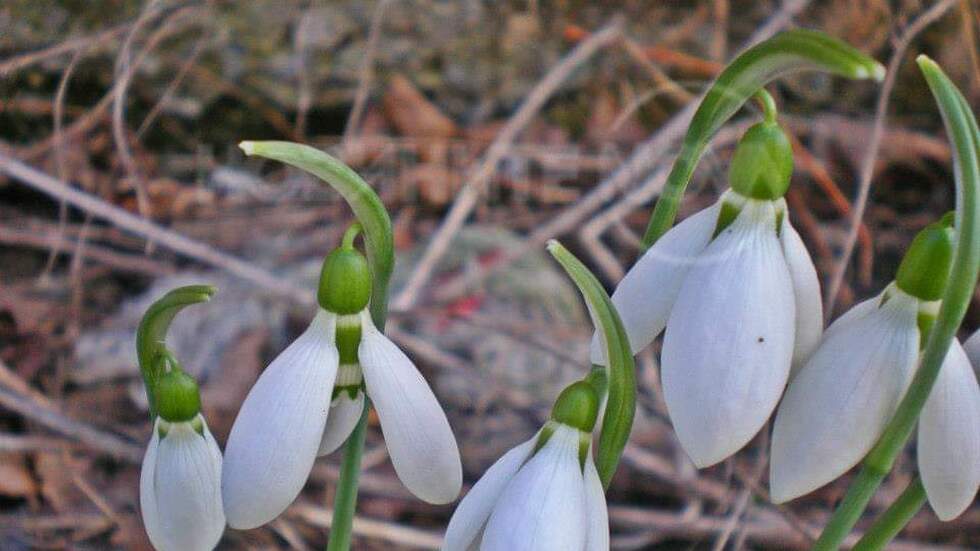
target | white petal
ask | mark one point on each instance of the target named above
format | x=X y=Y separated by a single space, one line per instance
x=419 y=439
x=949 y=437
x=543 y=506
x=275 y=438
x=729 y=340
x=344 y=415
x=466 y=525
x=972 y=347
x=186 y=488
x=646 y=293
x=806 y=289
x=856 y=312
x=148 y=494
x=597 y=538
x=838 y=404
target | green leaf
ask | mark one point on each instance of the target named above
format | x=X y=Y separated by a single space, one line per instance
x=621 y=391
x=365 y=203
x=152 y=332
x=789 y=51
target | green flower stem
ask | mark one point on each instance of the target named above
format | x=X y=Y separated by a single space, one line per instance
x=345 y=502
x=961 y=127
x=891 y=522
x=374 y=219
x=365 y=203
x=789 y=51
x=621 y=370
x=152 y=333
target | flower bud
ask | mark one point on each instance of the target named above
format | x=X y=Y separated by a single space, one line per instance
x=925 y=269
x=763 y=163
x=577 y=406
x=178 y=397
x=345 y=282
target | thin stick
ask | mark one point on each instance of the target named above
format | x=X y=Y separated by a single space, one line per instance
x=868 y=164
x=478 y=178
x=367 y=75
x=168 y=238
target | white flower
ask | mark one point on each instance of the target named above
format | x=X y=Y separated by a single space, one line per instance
x=840 y=401
x=740 y=308
x=291 y=416
x=949 y=437
x=180 y=493
x=540 y=501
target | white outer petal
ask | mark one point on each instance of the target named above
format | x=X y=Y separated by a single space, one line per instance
x=185 y=487
x=419 y=439
x=466 y=526
x=856 y=312
x=806 y=289
x=148 y=494
x=277 y=433
x=729 y=340
x=949 y=437
x=972 y=347
x=597 y=538
x=544 y=505
x=343 y=417
x=646 y=293
x=838 y=404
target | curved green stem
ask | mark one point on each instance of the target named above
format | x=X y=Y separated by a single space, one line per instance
x=152 y=333
x=365 y=203
x=891 y=522
x=789 y=51
x=961 y=127
x=621 y=380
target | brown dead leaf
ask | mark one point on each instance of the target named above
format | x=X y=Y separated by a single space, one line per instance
x=15 y=476
x=434 y=182
x=57 y=485
x=414 y=115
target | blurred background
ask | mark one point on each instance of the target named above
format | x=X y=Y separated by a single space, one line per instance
x=487 y=128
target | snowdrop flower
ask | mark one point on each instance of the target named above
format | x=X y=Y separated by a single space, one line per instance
x=543 y=495
x=837 y=406
x=972 y=347
x=180 y=481
x=740 y=300
x=307 y=402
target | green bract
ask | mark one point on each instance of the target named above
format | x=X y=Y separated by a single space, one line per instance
x=152 y=333
x=577 y=406
x=925 y=268
x=178 y=397
x=789 y=51
x=763 y=163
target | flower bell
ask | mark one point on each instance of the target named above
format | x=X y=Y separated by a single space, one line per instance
x=180 y=480
x=972 y=347
x=739 y=297
x=307 y=402
x=837 y=406
x=542 y=495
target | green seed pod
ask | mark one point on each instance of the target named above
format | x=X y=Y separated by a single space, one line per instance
x=763 y=163
x=577 y=406
x=345 y=282
x=178 y=397
x=925 y=268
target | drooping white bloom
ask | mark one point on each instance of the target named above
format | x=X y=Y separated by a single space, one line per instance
x=293 y=414
x=180 y=487
x=949 y=437
x=840 y=401
x=535 y=501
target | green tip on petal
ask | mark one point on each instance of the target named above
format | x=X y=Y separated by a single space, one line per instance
x=178 y=396
x=577 y=406
x=763 y=163
x=925 y=268
x=345 y=282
